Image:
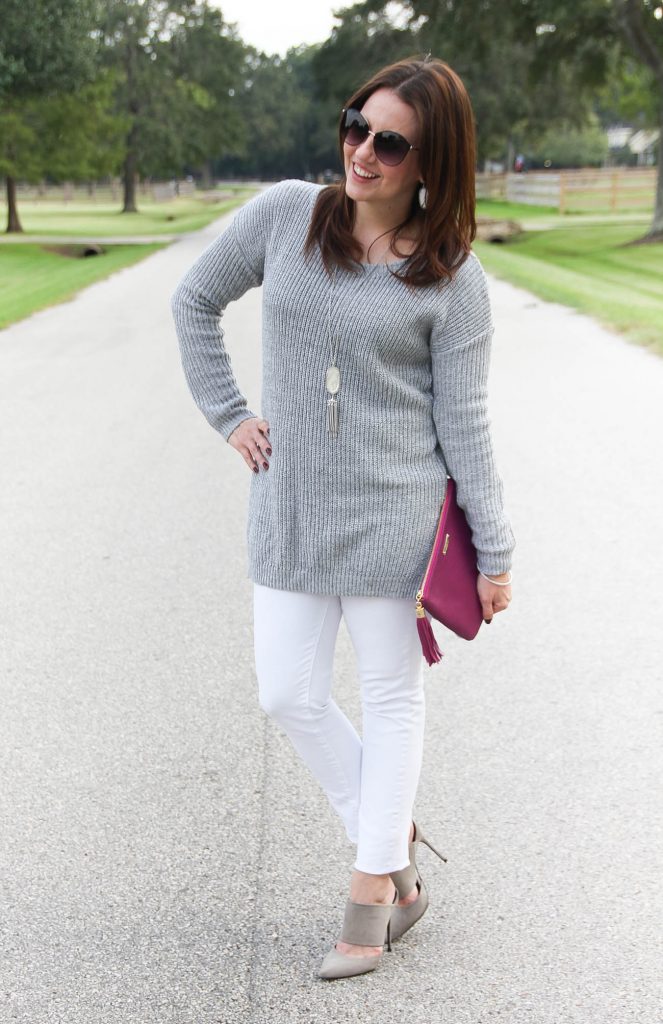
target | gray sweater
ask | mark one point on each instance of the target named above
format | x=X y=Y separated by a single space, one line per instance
x=354 y=513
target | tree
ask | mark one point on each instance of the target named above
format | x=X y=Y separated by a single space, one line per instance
x=641 y=27
x=627 y=94
x=208 y=60
x=129 y=33
x=46 y=49
x=177 y=61
x=365 y=40
x=286 y=119
x=65 y=136
x=572 y=147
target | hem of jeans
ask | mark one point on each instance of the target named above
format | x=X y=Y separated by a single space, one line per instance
x=380 y=871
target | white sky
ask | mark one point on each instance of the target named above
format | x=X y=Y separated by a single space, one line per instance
x=275 y=25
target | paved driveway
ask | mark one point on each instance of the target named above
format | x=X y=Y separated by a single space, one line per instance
x=164 y=856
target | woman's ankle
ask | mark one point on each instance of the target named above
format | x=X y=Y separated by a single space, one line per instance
x=367 y=888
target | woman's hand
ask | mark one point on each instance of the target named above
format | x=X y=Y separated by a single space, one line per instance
x=251 y=439
x=493 y=597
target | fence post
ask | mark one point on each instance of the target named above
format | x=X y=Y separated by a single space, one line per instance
x=562 y=192
x=613 y=190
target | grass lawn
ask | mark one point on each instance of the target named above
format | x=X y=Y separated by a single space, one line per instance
x=515 y=211
x=86 y=219
x=32 y=278
x=588 y=266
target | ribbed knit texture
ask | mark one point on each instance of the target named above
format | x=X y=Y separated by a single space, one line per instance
x=354 y=514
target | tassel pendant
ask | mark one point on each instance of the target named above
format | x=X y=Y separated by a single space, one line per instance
x=332 y=383
x=332 y=415
x=429 y=647
x=333 y=379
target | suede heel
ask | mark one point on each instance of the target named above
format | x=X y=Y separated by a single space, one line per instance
x=364 y=924
x=405 y=881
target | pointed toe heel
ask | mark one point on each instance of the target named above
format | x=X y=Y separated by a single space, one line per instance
x=364 y=924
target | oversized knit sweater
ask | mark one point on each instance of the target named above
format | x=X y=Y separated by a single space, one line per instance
x=353 y=513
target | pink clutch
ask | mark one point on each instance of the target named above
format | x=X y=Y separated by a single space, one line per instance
x=449 y=588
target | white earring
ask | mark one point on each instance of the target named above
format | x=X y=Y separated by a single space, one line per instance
x=423 y=196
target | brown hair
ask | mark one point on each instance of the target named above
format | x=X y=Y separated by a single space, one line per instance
x=447 y=155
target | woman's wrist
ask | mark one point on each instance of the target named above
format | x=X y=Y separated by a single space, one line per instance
x=502 y=579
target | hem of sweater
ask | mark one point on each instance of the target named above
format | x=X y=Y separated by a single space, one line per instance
x=340 y=583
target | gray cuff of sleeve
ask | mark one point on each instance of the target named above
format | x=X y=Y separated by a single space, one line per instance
x=231 y=424
x=494 y=568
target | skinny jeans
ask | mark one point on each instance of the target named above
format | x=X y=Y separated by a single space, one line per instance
x=371 y=782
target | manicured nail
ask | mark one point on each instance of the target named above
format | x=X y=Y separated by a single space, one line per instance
x=266 y=465
x=255 y=469
x=269 y=451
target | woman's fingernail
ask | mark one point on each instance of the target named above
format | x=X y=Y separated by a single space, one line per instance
x=266 y=465
x=255 y=469
x=269 y=451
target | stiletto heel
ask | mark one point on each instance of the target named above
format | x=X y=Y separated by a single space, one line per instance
x=422 y=839
x=405 y=880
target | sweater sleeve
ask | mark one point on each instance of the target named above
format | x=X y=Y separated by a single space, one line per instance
x=231 y=265
x=460 y=354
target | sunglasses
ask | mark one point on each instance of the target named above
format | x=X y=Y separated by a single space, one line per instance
x=389 y=147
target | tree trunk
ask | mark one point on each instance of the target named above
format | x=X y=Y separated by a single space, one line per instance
x=657 y=224
x=130 y=179
x=13 y=221
x=207 y=175
x=631 y=17
x=510 y=154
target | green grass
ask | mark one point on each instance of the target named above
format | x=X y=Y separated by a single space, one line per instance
x=589 y=267
x=32 y=278
x=85 y=219
x=515 y=211
x=550 y=216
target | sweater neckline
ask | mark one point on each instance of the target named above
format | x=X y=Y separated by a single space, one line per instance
x=393 y=263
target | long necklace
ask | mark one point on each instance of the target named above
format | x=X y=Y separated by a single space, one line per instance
x=333 y=374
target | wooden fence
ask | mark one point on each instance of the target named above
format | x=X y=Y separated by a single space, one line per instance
x=589 y=189
x=106 y=192
x=586 y=190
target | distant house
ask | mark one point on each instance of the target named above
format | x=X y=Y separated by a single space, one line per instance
x=642 y=142
x=618 y=135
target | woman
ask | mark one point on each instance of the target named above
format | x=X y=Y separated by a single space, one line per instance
x=376 y=343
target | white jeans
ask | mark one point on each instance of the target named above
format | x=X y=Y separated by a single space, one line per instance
x=370 y=782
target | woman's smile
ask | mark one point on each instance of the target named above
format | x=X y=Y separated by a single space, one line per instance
x=361 y=173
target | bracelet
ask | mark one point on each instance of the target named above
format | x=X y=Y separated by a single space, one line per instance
x=497 y=582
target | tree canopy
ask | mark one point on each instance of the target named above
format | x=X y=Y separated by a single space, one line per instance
x=162 y=88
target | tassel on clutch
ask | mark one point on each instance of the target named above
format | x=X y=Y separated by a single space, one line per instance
x=449 y=588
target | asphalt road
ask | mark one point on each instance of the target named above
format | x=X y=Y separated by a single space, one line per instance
x=164 y=856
